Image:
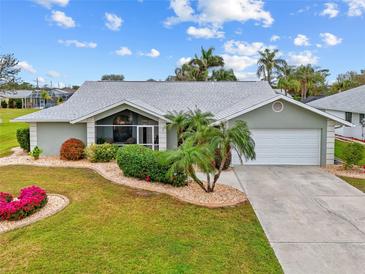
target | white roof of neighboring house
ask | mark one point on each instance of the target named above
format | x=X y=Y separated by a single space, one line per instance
x=16 y=94
x=352 y=100
x=223 y=99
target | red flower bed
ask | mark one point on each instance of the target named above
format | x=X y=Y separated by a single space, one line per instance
x=29 y=201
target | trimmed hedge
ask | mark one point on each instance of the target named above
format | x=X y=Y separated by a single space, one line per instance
x=22 y=136
x=72 y=149
x=101 y=153
x=141 y=162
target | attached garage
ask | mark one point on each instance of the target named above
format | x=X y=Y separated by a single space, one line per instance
x=285 y=147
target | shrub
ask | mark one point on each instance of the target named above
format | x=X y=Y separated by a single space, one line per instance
x=35 y=153
x=101 y=153
x=4 y=104
x=218 y=160
x=72 y=149
x=29 y=201
x=353 y=154
x=22 y=136
x=141 y=162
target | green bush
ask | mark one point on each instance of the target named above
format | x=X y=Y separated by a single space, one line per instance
x=353 y=154
x=4 y=104
x=101 y=153
x=22 y=136
x=141 y=162
x=35 y=153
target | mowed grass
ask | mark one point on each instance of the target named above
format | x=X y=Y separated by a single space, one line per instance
x=108 y=228
x=8 y=129
x=358 y=183
x=340 y=147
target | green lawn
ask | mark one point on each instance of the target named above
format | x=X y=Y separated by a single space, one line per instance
x=358 y=183
x=340 y=147
x=8 y=129
x=109 y=228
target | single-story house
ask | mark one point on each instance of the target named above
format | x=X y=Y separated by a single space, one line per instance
x=34 y=98
x=286 y=132
x=348 y=105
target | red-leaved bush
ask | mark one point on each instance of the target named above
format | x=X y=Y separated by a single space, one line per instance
x=29 y=201
x=72 y=149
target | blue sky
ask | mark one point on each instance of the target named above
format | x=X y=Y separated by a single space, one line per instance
x=70 y=41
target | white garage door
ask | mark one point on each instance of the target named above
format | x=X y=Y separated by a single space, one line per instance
x=285 y=147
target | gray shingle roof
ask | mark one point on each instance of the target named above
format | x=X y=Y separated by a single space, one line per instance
x=352 y=100
x=159 y=97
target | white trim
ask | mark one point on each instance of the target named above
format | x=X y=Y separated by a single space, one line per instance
x=290 y=100
x=330 y=143
x=90 y=132
x=277 y=102
x=116 y=105
x=162 y=135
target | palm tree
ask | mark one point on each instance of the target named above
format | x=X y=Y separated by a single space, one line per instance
x=223 y=75
x=269 y=65
x=196 y=119
x=179 y=122
x=199 y=150
x=207 y=60
x=310 y=78
x=45 y=96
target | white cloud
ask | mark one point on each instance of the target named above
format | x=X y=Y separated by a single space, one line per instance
x=301 y=40
x=24 y=65
x=113 y=21
x=183 y=60
x=243 y=48
x=153 y=53
x=78 y=44
x=330 y=10
x=123 y=51
x=302 y=58
x=274 y=38
x=53 y=74
x=319 y=45
x=238 y=63
x=62 y=20
x=40 y=79
x=330 y=39
x=356 y=7
x=217 y=12
x=246 y=76
x=49 y=3
x=205 y=33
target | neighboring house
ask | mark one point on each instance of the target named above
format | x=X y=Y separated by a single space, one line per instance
x=348 y=105
x=285 y=131
x=34 y=99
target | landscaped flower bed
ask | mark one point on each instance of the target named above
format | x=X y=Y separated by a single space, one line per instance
x=29 y=201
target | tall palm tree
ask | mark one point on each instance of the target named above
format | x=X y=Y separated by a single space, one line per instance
x=207 y=60
x=310 y=78
x=196 y=119
x=269 y=65
x=223 y=75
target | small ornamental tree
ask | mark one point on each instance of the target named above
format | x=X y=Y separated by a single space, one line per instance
x=353 y=154
x=203 y=142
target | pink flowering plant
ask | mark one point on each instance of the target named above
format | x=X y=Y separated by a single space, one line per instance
x=30 y=200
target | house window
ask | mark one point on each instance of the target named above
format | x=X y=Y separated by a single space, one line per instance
x=348 y=116
x=362 y=118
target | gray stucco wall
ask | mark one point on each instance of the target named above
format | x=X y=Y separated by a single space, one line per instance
x=50 y=136
x=291 y=117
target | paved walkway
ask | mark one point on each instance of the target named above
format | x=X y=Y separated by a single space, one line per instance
x=314 y=221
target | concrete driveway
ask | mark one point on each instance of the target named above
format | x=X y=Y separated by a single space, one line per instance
x=314 y=221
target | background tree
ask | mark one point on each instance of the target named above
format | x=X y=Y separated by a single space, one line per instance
x=8 y=69
x=287 y=81
x=348 y=80
x=311 y=78
x=269 y=66
x=201 y=68
x=45 y=96
x=112 y=77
